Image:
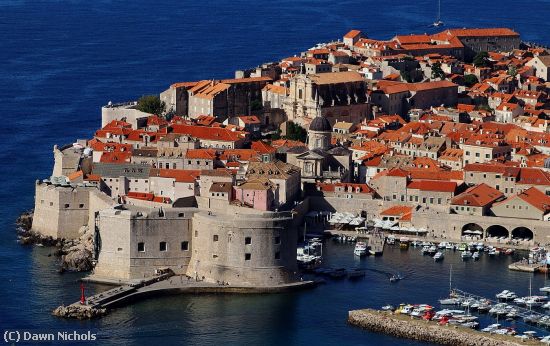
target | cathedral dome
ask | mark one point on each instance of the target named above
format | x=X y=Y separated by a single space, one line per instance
x=320 y=124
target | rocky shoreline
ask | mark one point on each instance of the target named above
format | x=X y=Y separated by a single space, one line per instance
x=78 y=312
x=75 y=255
x=407 y=328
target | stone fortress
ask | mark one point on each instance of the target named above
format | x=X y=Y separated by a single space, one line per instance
x=193 y=191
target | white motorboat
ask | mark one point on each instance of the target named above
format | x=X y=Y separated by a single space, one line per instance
x=476 y=256
x=506 y=295
x=450 y=301
x=360 y=249
x=425 y=249
x=432 y=250
x=465 y=255
x=491 y=328
x=439 y=256
x=442 y=245
x=545 y=289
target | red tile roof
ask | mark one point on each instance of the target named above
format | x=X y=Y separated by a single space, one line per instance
x=478 y=196
x=433 y=185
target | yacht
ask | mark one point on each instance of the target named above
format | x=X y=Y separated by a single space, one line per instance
x=506 y=295
x=450 y=301
x=438 y=256
x=360 y=249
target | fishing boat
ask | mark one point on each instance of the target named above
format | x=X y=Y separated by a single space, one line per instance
x=439 y=256
x=360 y=249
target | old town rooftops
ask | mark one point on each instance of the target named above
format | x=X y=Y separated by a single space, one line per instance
x=478 y=196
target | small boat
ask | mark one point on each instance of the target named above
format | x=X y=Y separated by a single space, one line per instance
x=390 y=240
x=491 y=328
x=432 y=250
x=450 y=301
x=545 y=289
x=425 y=250
x=442 y=245
x=509 y=251
x=476 y=256
x=395 y=278
x=439 y=256
x=450 y=246
x=360 y=249
x=462 y=247
x=465 y=255
x=388 y=308
x=506 y=295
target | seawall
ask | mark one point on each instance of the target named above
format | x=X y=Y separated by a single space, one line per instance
x=403 y=326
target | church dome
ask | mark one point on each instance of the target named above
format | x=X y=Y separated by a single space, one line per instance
x=320 y=124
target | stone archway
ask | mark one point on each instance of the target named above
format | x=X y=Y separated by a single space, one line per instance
x=522 y=233
x=497 y=231
x=472 y=229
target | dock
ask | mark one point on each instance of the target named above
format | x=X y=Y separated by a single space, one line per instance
x=524 y=266
x=166 y=284
x=404 y=326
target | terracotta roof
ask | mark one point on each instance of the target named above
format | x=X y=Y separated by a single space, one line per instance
x=478 y=196
x=336 y=77
x=397 y=210
x=179 y=175
x=209 y=133
x=433 y=185
x=352 y=34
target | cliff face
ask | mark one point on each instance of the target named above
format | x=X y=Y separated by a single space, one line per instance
x=405 y=327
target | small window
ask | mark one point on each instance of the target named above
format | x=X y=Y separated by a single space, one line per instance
x=66 y=205
x=196 y=234
x=277 y=240
x=184 y=246
x=247 y=256
x=81 y=205
x=248 y=240
x=181 y=214
x=214 y=255
x=119 y=249
x=42 y=201
x=215 y=237
x=51 y=204
x=141 y=247
x=277 y=255
x=163 y=246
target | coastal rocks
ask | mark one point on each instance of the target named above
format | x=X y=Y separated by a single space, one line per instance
x=24 y=221
x=404 y=327
x=79 y=312
x=77 y=255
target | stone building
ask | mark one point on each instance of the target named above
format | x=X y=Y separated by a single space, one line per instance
x=541 y=64
x=335 y=96
x=243 y=246
x=60 y=209
x=135 y=241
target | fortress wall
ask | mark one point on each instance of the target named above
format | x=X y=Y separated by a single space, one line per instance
x=60 y=211
x=219 y=249
x=122 y=230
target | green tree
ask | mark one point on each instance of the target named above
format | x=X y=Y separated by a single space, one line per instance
x=481 y=59
x=151 y=104
x=512 y=70
x=295 y=132
x=470 y=80
x=437 y=71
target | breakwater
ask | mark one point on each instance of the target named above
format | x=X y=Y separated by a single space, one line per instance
x=403 y=326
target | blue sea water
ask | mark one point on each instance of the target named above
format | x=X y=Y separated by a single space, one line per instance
x=61 y=60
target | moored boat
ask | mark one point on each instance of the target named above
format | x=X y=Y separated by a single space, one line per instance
x=360 y=249
x=439 y=256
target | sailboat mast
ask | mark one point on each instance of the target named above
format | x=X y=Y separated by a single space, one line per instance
x=451 y=279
